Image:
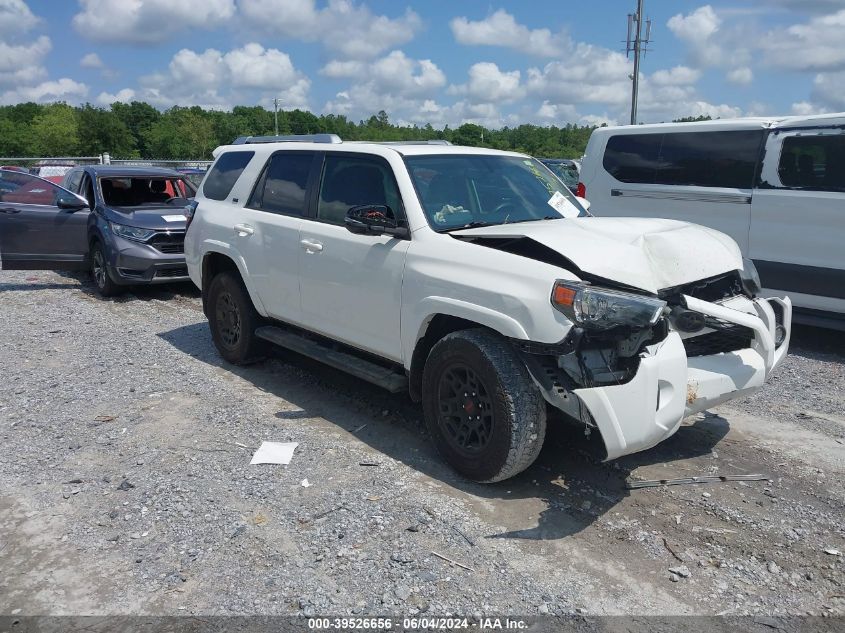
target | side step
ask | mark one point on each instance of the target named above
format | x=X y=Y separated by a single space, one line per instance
x=385 y=378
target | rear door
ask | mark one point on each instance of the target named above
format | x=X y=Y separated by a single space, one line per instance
x=35 y=234
x=797 y=235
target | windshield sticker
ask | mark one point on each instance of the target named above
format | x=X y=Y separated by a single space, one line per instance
x=559 y=203
x=173 y=218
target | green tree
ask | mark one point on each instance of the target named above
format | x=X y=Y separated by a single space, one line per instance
x=182 y=133
x=103 y=131
x=138 y=117
x=55 y=132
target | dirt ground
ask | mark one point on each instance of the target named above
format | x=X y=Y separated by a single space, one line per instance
x=127 y=486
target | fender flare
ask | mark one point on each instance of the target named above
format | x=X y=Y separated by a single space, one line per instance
x=221 y=248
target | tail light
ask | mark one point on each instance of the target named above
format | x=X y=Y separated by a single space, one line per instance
x=581 y=190
x=190 y=210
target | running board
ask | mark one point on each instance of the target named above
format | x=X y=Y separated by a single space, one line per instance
x=385 y=378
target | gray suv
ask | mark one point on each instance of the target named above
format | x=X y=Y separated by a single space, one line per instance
x=126 y=224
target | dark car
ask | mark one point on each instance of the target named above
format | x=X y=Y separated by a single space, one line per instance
x=565 y=169
x=193 y=174
x=126 y=224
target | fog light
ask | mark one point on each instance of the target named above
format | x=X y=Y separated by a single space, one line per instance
x=780 y=335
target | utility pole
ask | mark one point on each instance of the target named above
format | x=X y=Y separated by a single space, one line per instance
x=276 y=102
x=638 y=45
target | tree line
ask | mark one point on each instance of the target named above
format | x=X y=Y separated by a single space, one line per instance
x=138 y=130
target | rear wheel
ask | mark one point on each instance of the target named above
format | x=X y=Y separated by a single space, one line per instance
x=486 y=415
x=233 y=319
x=100 y=273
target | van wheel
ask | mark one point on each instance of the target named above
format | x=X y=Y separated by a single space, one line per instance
x=100 y=273
x=486 y=415
x=233 y=319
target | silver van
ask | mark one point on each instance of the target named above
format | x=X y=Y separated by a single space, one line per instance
x=775 y=185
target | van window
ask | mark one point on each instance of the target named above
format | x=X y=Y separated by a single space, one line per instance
x=225 y=174
x=701 y=159
x=281 y=188
x=813 y=162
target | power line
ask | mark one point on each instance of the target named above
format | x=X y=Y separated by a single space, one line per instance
x=638 y=45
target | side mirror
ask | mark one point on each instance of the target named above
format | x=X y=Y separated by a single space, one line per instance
x=70 y=201
x=584 y=202
x=374 y=219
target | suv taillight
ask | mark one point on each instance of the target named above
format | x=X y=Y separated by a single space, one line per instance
x=581 y=190
x=190 y=210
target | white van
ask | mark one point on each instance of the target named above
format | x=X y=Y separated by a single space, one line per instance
x=776 y=186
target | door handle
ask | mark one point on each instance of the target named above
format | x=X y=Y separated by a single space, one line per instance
x=311 y=246
x=243 y=230
x=9 y=210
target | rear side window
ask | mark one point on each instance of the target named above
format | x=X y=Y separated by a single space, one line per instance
x=701 y=159
x=225 y=174
x=813 y=162
x=282 y=186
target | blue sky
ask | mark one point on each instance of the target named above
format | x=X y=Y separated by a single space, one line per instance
x=438 y=62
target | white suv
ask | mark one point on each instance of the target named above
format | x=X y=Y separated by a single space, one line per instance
x=473 y=279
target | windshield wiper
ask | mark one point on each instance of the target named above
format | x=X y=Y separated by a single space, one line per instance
x=470 y=225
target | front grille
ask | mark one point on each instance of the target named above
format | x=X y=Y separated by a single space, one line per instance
x=173 y=243
x=710 y=290
x=181 y=271
x=727 y=339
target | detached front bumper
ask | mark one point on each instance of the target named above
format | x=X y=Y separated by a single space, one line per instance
x=669 y=386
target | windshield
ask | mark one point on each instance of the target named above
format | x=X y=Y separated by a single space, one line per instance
x=143 y=190
x=458 y=191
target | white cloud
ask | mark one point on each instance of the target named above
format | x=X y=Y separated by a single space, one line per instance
x=91 y=60
x=805 y=108
x=501 y=29
x=63 y=89
x=701 y=32
x=199 y=78
x=22 y=64
x=344 y=26
x=15 y=18
x=488 y=84
x=814 y=45
x=590 y=74
x=677 y=76
x=147 y=21
x=741 y=76
x=124 y=96
x=829 y=91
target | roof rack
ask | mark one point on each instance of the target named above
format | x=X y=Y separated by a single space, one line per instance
x=289 y=138
x=435 y=141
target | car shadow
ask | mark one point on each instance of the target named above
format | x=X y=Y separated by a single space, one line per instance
x=35 y=285
x=161 y=292
x=569 y=477
x=817 y=343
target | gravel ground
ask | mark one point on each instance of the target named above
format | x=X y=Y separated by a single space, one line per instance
x=127 y=486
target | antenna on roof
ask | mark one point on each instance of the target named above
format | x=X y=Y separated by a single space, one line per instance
x=637 y=44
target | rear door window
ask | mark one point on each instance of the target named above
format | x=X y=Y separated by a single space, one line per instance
x=283 y=184
x=632 y=158
x=815 y=163
x=225 y=173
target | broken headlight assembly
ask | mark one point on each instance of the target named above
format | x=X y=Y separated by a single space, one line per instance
x=750 y=278
x=595 y=308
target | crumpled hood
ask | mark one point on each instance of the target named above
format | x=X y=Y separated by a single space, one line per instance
x=149 y=217
x=646 y=253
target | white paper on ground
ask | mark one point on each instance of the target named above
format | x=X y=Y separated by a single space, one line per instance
x=274 y=453
x=559 y=203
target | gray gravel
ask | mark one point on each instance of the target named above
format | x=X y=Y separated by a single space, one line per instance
x=127 y=487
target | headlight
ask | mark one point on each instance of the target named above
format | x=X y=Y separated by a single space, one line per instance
x=750 y=277
x=602 y=308
x=132 y=232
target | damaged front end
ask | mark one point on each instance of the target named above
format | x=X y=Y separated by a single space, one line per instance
x=634 y=365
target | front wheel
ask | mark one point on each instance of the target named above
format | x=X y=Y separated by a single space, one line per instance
x=486 y=415
x=233 y=319
x=100 y=272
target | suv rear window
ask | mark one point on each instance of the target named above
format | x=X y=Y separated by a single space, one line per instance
x=700 y=159
x=225 y=174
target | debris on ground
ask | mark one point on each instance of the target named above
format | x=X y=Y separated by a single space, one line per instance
x=274 y=453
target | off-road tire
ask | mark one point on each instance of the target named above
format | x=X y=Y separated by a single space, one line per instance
x=518 y=408
x=100 y=273
x=233 y=320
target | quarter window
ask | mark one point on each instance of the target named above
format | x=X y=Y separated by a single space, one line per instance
x=225 y=173
x=350 y=181
x=814 y=162
x=282 y=186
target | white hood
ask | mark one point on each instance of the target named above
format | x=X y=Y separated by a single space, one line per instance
x=646 y=253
